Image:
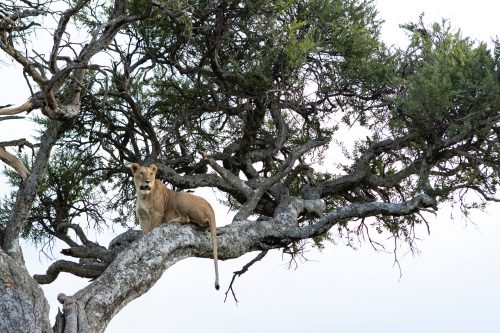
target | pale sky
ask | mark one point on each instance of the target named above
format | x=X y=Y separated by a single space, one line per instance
x=452 y=285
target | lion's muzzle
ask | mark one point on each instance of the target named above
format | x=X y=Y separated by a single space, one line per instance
x=145 y=188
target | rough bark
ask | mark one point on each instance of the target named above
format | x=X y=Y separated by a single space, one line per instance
x=28 y=190
x=23 y=307
x=136 y=269
x=387 y=178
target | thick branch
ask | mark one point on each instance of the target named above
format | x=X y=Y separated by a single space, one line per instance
x=85 y=270
x=7 y=46
x=14 y=162
x=23 y=307
x=29 y=189
x=361 y=168
x=231 y=179
x=136 y=269
x=90 y=252
x=369 y=209
x=261 y=185
x=16 y=109
x=193 y=181
x=89 y=267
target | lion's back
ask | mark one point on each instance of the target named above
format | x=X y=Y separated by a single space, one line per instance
x=197 y=208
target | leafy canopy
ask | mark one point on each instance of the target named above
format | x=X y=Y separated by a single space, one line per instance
x=265 y=87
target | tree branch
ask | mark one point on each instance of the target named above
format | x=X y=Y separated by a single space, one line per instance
x=242 y=271
x=14 y=162
x=29 y=189
x=8 y=110
x=228 y=176
x=136 y=269
x=85 y=270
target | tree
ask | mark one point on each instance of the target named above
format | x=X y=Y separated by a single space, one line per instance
x=246 y=97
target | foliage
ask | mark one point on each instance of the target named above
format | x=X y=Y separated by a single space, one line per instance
x=265 y=88
x=308 y=124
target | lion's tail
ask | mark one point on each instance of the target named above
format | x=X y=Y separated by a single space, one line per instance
x=213 y=231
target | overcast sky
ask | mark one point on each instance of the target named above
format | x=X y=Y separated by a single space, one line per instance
x=452 y=285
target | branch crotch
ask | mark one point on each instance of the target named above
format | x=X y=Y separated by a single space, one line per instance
x=72 y=319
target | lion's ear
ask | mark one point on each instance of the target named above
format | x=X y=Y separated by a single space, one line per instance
x=134 y=167
x=153 y=167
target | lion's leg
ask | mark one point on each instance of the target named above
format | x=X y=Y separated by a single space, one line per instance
x=204 y=224
x=155 y=221
x=144 y=225
x=144 y=220
x=177 y=218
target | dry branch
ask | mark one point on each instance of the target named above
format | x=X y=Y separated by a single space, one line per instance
x=9 y=110
x=242 y=271
x=84 y=270
x=14 y=162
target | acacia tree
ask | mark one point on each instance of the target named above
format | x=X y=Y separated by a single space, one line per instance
x=246 y=97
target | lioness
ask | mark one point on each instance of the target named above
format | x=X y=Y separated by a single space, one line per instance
x=157 y=204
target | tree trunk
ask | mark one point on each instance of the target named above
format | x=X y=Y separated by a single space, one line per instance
x=23 y=307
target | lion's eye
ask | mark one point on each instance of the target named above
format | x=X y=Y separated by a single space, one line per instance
x=142 y=173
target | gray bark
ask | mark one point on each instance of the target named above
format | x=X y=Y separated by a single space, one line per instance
x=28 y=190
x=136 y=269
x=23 y=307
x=142 y=260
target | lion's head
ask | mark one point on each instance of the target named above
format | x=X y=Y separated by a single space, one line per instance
x=144 y=177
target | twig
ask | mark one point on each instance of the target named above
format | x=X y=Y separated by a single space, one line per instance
x=396 y=260
x=19 y=142
x=243 y=271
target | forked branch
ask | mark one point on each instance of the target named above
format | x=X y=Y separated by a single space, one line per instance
x=241 y=272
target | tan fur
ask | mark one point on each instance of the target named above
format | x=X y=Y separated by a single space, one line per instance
x=157 y=204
